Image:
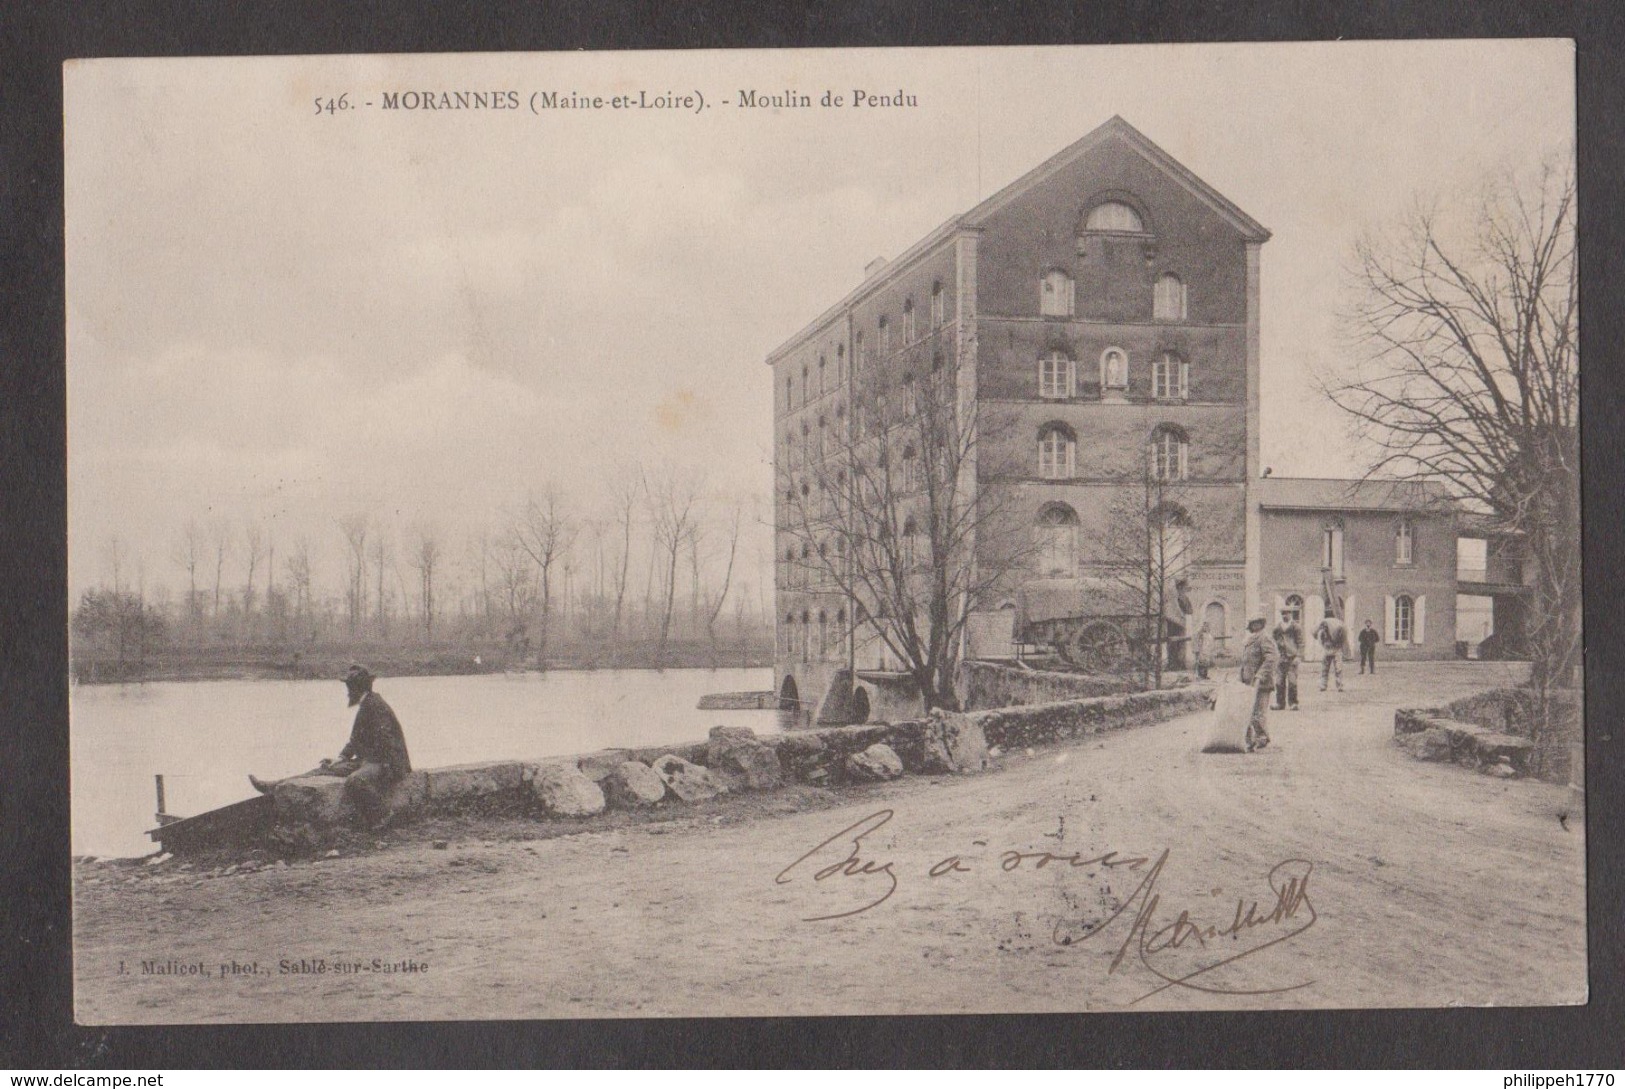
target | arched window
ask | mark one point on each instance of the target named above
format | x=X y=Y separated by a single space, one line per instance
x=1169 y=453
x=1170 y=377
x=860 y=358
x=1057 y=541
x=823 y=633
x=1170 y=541
x=885 y=338
x=840 y=363
x=1404 y=541
x=1057 y=451
x=1114 y=216
x=1057 y=376
x=821 y=362
x=1213 y=616
x=910 y=542
x=1331 y=547
x=936 y=360
x=911 y=467
x=1294 y=608
x=1114 y=369
x=789 y=392
x=1168 y=300
x=1404 y=618
x=938 y=305
x=1055 y=295
x=806 y=636
x=908 y=321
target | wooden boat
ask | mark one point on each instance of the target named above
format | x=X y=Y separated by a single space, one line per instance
x=237 y=823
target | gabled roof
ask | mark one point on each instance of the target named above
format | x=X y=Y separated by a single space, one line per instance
x=1321 y=494
x=1117 y=128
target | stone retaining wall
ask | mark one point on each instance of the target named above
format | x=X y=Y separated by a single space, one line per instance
x=733 y=759
x=986 y=685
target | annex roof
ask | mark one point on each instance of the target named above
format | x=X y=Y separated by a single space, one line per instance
x=1331 y=494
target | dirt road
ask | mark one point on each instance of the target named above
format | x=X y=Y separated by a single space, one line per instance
x=1395 y=883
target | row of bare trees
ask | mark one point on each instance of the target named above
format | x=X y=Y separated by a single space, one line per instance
x=655 y=558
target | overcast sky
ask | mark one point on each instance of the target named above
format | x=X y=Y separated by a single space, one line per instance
x=290 y=316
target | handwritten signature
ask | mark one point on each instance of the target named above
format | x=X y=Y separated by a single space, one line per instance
x=845 y=857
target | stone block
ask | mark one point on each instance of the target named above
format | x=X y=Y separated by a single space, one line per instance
x=475 y=780
x=311 y=799
x=1431 y=744
x=737 y=756
x=877 y=763
x=632 y=785
x=410 y=794
x=565 y=792
x=597 y=765
x=965 y=741
x=688 y=781
x=1515 y=751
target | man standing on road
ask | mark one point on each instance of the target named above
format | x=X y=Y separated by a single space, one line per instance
x=1333 y=637
x=1288 y=635
x=372 y=761
x=1368 y=647
x=1259 y=658
x=1202 y=650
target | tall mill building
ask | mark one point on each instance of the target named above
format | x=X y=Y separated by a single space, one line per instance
x=1104 y=311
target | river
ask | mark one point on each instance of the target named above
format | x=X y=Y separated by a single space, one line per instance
x=204 y=737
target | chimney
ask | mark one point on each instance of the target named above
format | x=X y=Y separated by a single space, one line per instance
x=873 y=267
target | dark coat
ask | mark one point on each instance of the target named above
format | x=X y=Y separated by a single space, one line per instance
x=376 y=737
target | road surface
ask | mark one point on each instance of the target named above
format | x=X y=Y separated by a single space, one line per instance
x=1124 y=872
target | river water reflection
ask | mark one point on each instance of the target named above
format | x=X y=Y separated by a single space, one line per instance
x=204 y=737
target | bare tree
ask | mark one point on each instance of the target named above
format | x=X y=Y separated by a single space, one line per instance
x=887 y=513
x=425 y=558
x=1135 y=576
x=188 y=554
x=715 y=603
x=383 y=558
x=544 y=531
x=220 y=540
x=1467 y=375
x=673 y=500
x=254 y=549
x=354 y=527
x=299 y=579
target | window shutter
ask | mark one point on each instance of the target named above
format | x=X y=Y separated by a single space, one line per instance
x=1071 y=458
x=1314 y=610
x=1280 y=606
x=1351 y=619
x=1184 y=447
x=1388 y=618
x=1420 y=624
x=1184 y=380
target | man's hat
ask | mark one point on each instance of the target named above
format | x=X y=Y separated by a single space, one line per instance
x=1255 y=620
x=359 y=676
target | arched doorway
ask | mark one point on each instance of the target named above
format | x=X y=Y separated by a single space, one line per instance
x=860 y=705
x=789 y=697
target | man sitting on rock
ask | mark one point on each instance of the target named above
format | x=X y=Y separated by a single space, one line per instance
x=372 y=761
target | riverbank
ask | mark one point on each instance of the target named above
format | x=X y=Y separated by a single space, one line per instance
x=1426 y=885
x=329 y=661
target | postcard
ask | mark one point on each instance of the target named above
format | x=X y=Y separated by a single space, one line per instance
x=824 y=532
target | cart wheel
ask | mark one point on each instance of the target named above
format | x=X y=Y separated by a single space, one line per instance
x=1095 y=648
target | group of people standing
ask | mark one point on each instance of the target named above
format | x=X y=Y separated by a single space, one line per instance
x=1270 y=662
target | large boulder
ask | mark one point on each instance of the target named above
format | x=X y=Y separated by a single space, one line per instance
x=877 y=763
x=410 y=794
x=737 y=756
x=565 y=792
x=806 y=756
x=311 y=799
x=632 y=784
x=690 y=782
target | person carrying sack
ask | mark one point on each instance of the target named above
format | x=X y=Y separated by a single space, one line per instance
x=1333 y=637
x=1259 y=661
